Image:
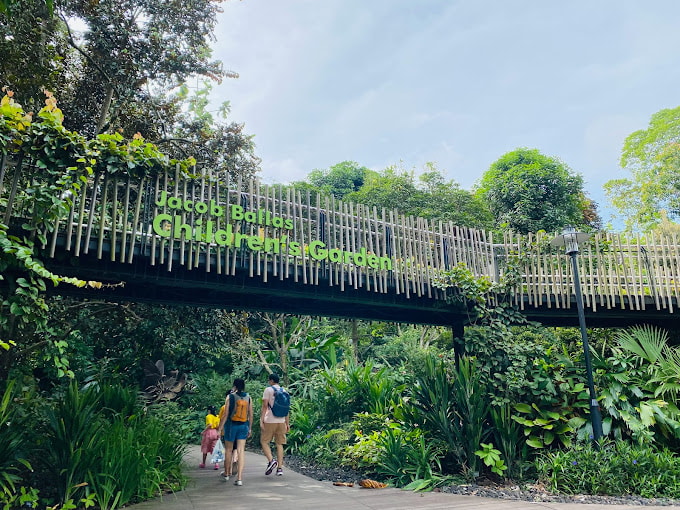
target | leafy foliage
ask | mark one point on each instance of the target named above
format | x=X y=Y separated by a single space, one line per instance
x=431 y=197
x=638 y=384
x=528 y=191
x=339 y=180
x=97 y=443
x=491 y=458
x=652 y=156
x=12 y=442
x=611 y=468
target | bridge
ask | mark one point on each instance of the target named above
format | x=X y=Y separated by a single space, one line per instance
x=187 y=238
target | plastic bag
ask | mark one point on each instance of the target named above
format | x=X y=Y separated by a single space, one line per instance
x=218 y=452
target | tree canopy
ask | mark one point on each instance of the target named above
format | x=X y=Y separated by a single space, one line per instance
x=429 y=195
x=339 y=180
x=528 y=191
x=121 y=67
x=652 y=156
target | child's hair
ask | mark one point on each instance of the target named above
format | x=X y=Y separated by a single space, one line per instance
x=211 y=410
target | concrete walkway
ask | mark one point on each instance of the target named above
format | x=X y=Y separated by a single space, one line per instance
x=293 y=491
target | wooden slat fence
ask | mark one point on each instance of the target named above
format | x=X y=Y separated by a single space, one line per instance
x=111 y=217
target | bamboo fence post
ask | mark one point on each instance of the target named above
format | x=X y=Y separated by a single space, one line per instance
x=136 y=228
x=124 y=220
x=82 y=194
x=90 y=217
x=156 y=192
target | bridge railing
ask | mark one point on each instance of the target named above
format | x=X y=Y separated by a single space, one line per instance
x=616 y=271
x=121 y=218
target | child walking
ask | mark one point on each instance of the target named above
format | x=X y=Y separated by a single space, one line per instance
x=209 y=435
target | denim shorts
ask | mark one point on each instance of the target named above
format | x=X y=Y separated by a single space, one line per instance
x=236 y=430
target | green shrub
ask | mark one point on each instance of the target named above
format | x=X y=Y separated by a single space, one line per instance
x=407 y=455
x=325 y=446
x=12 y=442
x=358 y=388
x=613 y=468
x=71 y=439
x=453 y=408
x=99 y=447
x=303 y=421
x=186 y=422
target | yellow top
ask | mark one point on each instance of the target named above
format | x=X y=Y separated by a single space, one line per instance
x=212 y=421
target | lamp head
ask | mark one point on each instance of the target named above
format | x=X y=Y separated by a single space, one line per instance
x=570 y=239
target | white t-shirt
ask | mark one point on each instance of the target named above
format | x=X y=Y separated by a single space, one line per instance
x=268 y=396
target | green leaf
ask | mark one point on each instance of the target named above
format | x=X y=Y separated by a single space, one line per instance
x=523 y=408
x=535 y=442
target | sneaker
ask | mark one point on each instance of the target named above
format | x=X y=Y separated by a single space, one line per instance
x=238 y=482
x=201 y=465
x=270 y=467
x=216 y=467
x=225 y=477
x=279 y=472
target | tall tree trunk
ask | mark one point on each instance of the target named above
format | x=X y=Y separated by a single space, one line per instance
x=106 y=105
x=355 y=341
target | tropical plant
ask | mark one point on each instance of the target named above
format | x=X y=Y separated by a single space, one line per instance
x=357 y=388
x=638 y=386
x=612 y=468
x=72 y=433
x=407 y=455
x=12 y=442
x=543 y=428
x=508 y=435
x=304 y=417
x=492 y=458
x=432 y=407
x=472 y=410
x=452 y=407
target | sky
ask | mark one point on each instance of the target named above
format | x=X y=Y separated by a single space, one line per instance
x=457 y=83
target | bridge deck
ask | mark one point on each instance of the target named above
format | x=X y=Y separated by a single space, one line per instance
x=255 y=245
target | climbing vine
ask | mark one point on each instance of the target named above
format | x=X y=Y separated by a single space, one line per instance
x=487 y=302
x=54 y=163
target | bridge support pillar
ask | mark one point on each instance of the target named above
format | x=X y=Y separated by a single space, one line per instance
x=458 y=334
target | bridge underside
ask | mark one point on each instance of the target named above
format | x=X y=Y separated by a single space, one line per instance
x=143 y=282
x=603 y=317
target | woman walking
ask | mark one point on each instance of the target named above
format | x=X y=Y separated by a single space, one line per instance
x=236 y=424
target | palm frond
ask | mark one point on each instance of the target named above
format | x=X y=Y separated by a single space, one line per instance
x=647 y=342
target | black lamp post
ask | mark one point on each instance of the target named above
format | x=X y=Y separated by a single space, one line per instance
x=570 y=239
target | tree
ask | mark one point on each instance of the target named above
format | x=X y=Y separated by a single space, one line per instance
x=341 y=179
x=130 y=48
x=221 y=146
x=33 y=51
x=125 y=71
x=430 y=196
x=447 y=201
x=528 y=191
x=652 y=156
x=393 y=188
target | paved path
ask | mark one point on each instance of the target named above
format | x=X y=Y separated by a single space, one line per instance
x=294 y=491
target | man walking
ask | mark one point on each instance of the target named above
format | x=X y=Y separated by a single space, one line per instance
x=273 y=427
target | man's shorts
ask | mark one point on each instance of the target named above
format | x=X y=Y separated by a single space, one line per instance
x=275 y=431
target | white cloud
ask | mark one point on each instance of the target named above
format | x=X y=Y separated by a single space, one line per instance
x=459 y=83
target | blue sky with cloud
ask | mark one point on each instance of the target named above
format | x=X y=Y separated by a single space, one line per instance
x=458 y=83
